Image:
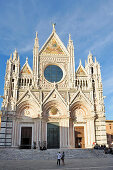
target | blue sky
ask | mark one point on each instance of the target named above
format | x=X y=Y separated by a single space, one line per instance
x=89 y=22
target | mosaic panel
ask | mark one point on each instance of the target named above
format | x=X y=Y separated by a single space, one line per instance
x=25 y=70
x=81 y=71
x=53 y=48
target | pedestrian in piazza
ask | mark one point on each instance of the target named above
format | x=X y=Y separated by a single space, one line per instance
x=58 y=158
x=62 y=157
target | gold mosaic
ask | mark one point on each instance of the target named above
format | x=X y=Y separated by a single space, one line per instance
x=80 y=71
x=53 y=48
x=25 y=70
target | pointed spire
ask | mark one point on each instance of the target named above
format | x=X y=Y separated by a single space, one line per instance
x=18 y=58
x=36 y=35
x=11 y=56
x=35 y=58
x=95 y=60
x=80 y=63
x=69 y=37
x=90 y=57
x=26 y=59
x=90 y=52
x=54 y=27
x=15 y=54
x=36 y=40
x=70 y=42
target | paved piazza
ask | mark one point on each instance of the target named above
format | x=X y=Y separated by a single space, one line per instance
x=77 y=164
x=15 y=159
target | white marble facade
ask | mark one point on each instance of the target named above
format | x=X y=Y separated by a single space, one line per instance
x=30 y=100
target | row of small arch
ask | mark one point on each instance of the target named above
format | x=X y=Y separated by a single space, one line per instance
x=83 y=83
x=25 y=82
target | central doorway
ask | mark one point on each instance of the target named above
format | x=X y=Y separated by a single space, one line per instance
x=79 y=137
x=53 y=140
x=26 y=137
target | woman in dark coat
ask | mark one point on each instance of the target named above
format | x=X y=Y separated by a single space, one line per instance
x=63 y=155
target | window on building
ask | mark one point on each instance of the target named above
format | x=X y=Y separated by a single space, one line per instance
x=53 y=73
x=30 y=82
x=14 y=68
x=19 y=82
x=12 y=83
x=91 y=70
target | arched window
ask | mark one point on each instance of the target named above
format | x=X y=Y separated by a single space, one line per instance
x=22 y=82
x=14 y=68
x=12 y=83
x=91 y=70
x=25 y=82
x=30 y=82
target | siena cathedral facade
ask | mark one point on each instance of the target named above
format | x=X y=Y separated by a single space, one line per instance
x=53 y=105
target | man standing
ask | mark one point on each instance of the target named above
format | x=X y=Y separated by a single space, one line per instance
x=58 y=158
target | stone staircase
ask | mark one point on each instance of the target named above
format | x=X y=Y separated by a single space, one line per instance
x=50 y=154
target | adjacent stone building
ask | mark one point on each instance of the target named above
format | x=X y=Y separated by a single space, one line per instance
x=109 y=131
x=52 y=105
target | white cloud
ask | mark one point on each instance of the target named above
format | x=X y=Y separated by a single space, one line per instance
x=108 y=85
x=102 y=41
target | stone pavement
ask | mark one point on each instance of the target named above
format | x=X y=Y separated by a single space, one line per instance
x=70 y=164
x=76 y=159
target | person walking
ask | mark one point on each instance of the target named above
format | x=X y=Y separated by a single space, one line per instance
x=58 y=158
x=63 y=155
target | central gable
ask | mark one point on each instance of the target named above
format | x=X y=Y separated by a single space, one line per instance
x=54 y=46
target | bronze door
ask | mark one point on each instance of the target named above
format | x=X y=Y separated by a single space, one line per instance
x=26 y=137
x=79 y=137
x=53 y=136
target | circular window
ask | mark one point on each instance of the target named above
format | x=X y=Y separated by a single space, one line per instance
x=53 y=73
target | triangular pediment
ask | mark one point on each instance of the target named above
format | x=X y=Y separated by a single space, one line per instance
x=54 y=95
x=54 y=46
x=81 y=71
x=28 y=96
x=80 y=96
x=26 y=69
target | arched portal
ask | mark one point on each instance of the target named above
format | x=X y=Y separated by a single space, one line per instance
x=82 y=125
x=27 y=124
x=55 y=124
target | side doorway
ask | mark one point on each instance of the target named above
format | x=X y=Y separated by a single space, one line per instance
x=79 y=137
x=26 y=137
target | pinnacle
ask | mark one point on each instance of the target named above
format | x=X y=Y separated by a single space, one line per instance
x=90 y=53
x=36 y=44
x=54 y=27
x=11 y=56
x=26 y=59
x=15 y=50
x=36 y=34
x=69 y=37
x=80 y=62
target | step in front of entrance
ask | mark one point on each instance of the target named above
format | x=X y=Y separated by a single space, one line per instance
x=50 y=154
